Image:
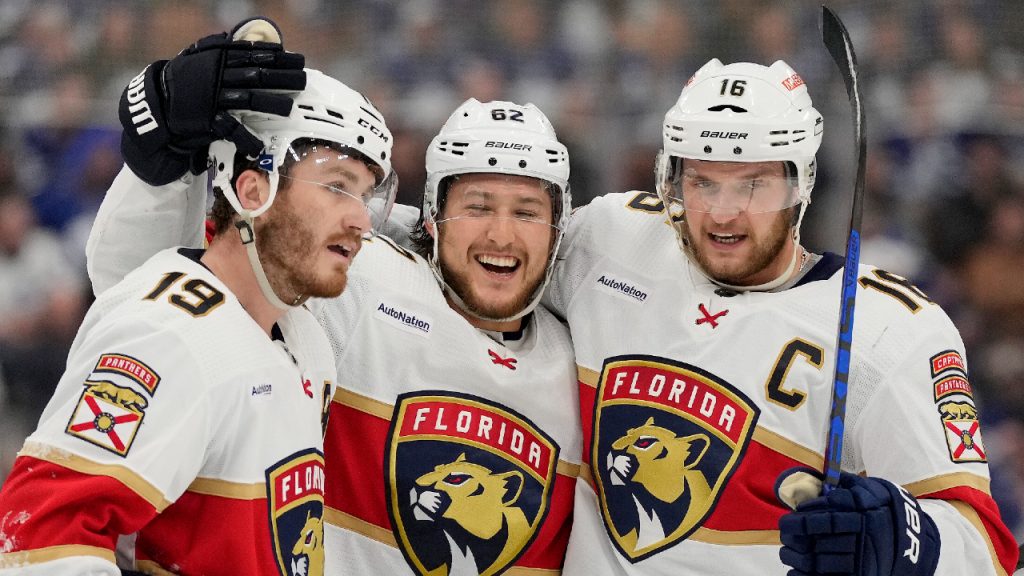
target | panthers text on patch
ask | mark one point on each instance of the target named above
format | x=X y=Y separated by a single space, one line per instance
x=952 y=385
x=134 y=369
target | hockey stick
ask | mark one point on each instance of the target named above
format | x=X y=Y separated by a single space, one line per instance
x=837 y=40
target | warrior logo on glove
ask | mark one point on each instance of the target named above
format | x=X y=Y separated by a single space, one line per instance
x=667 y=437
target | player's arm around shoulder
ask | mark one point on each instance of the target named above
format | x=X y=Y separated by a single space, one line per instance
x=920 y=428
x=136 y=220
x=123 y=436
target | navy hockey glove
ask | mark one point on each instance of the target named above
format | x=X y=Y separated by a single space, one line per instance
x=173 y=109
x=865 y=527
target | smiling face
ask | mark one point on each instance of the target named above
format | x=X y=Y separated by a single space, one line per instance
x=495 y=238
x=738 y=218
x=310 y=235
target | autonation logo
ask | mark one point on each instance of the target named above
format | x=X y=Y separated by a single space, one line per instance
x=622 y=288
x=403 y=319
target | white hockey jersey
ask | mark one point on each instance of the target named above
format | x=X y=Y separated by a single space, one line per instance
x=448 y=452
x=180 y=435
x=695 y=398
x=499 y=418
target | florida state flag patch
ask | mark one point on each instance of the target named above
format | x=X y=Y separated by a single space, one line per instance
x=469 y=482
x=108 y=416
x=963 y=431
x=667 y=438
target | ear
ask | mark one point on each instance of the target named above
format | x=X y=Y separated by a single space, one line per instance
x=252 y=189
x=428 y=225
x=512 y=476
x=694 y=457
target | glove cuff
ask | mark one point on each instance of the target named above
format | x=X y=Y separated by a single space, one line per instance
x=917 y=537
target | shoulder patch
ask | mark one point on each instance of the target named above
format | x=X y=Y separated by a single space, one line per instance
x=131 y=368
x=108 y=416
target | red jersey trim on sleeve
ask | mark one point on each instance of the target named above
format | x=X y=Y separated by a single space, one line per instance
x=125 y=476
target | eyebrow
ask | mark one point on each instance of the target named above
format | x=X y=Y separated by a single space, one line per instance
x=480 y=193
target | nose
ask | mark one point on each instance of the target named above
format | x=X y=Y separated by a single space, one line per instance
x=723 y=214
x=501 y=230
x=358 y=218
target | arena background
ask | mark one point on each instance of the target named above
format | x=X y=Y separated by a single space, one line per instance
x=943 y=81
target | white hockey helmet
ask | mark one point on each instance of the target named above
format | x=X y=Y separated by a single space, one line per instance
x=335 y=117
x=326 y=110
x=743 y=112
x=498 y=138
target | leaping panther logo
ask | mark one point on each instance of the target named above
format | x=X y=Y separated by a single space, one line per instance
x=659 y=467
x=471 y=503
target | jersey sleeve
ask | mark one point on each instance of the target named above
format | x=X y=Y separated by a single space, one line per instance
x=137 y=220
x=920 y=429
x=126 y=432
x=572 y=261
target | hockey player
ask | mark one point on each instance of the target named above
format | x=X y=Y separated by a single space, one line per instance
x=186 y=435
x=454 y=437
x=704 y=335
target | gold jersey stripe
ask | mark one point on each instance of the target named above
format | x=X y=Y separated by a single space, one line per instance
x=48 y=554
x=129 y=478
x=587 y=376
x=567 y=469
x=968 y=512
x=947 y=481
x=353 y=524
x=363 y=403
x=789 y=448
x=152 y=568
x=737 y=538
x=227 y=489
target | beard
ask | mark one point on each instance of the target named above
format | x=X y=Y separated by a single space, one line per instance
x=288 y=251
x=462 y=286
x=764 y=252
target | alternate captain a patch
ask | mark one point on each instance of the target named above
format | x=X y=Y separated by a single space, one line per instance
x=295 y=499
x=469 y=482
x=108 y=416
x=667 y=438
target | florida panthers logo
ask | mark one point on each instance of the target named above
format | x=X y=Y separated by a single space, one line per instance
x=468 y=483
x=667 y=437
x=295 y=496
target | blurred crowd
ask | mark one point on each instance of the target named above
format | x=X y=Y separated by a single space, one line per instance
x=943 y=82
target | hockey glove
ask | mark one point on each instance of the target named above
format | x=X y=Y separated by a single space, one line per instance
x=173 y=109
x=865 y=527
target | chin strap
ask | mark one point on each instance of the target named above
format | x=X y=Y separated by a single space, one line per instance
x=767 y=286
x=248 y=236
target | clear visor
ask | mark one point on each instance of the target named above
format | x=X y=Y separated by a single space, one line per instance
x=533 y=208
x=748 y=187
x=345 y=171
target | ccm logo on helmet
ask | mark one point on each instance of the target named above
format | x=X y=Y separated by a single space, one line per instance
x=724 y=135
x=377 y=131
x=508 y=145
